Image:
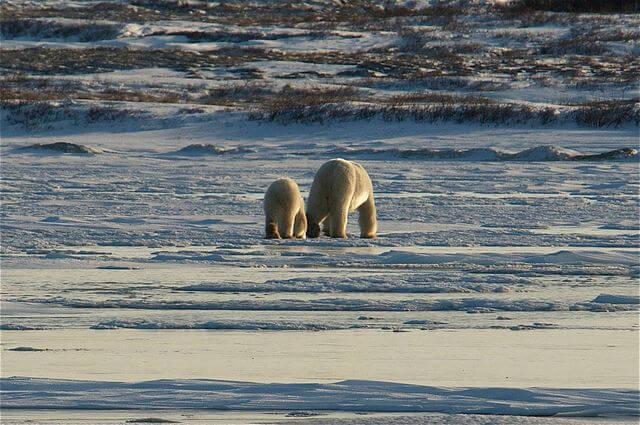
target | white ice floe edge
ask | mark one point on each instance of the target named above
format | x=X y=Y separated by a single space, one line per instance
x=350 y=396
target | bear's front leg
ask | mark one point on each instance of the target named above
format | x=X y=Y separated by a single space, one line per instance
x=287 y=225
x=313 y=228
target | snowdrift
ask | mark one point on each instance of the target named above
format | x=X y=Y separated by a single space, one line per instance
x=62 y=148
x=535 y=154
x=351 y=395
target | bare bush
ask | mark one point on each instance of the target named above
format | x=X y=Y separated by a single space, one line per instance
x=41 y=60
x=519 y=36
x=21 y=87
x=122 y=95
x=435 y=83
x=452 y=108
x=108 y=11
x=27 y=95
x=450 y=83
x=44 y=115
x=303 y=104
x=231 y=36
x=355 y=13
x=32 y=115
x=436 y=49
x=48 y=90
x=38 y=28
x=608 y=113
x=574 y=46
x=446 y=98
x=413 y=40
x=98 y=113
x=572 y=6
x=230 y=94
x=617 y=34
x=480 y=112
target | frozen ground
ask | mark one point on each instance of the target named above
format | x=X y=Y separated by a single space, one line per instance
x=133 y=267
x=136 y=283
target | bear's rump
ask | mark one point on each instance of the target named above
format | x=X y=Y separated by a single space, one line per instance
x=282 y=199
x=358 y=199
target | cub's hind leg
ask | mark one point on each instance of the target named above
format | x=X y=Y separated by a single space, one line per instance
x=300 y=225
x=271 y=229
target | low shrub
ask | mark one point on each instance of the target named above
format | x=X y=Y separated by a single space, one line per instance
x=39 y=28
x=574 y=46
x=42 y=60
x=101 y=113
x=596 y=114
x=32 y=115
x=608 y=113
x=571 y=6
x=44 y=115
x=236 y=93
x=431 y=97
x=484 y=113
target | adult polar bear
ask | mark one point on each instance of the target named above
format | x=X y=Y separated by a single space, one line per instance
x=341 y=187
x=284 y=210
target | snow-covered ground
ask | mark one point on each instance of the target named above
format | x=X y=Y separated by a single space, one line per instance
x=137 y=286
x=140 y=267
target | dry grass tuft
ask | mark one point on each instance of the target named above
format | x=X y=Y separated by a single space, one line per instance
x=570 y=6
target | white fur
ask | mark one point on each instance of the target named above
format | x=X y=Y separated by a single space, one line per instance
x=284 y=210
x=341 y=187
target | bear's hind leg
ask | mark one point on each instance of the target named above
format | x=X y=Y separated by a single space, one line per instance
x=325 y=228
x=338 y=222
x=367 y=219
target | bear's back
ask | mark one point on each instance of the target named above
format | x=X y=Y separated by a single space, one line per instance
x=283 y=191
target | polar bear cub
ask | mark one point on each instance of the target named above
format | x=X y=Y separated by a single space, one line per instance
x=340 y=187
x=284 y=210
